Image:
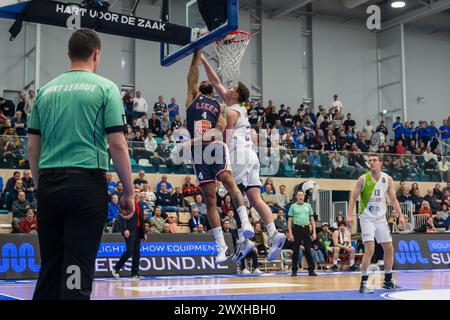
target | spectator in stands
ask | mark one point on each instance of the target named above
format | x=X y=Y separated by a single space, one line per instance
x=166 y=228
x=168 y=184
x=314 y=159
x=323 y=236
x=21 y=206
x=340 y=167
x=368 y=130
x=429 y=227
x=260 y=239
x=173 y=109
x=154 y=125
x=11 y=183
x=119 y=190
x=281 y=222
x=113 y=209
x=431 y=169
x=150 y=145
x=178 y=199
x=393 y=221
x=399 y=148
x=7 y=107
x=163 y=155
x=15 y=224
x=409 y=227
x=12 y=195
x=405 y=195
x=444 y=211
x=341 y=141
x=22 y=104
x=303 y=165
x=417 y=200
x=164 y=200
x=230 y=217
x=142 y=123
x=434 y=205
x=140 y=181
x=226 y=227
x=269 y=181
x=140 y=106
x=270 y=199
x=29 y=224
x=165 y=123
x=414 y=187
x=282 y=197
x=195 y=219
x=201 y=208
x=336 y=105
x=342 y=244
x=382 y=128
x=226 y=206
x=19 y=124
x=28 y=186
x=425 y=209
x=439 y=222
x=397 y=127
x=173 y=224
x=128 y=103
x=444 y=169
x=157 y=220
x=160 y=107
x=339 y=219
x=176 y=123
x=189 y=188
x=110 y=183
x=201 y=229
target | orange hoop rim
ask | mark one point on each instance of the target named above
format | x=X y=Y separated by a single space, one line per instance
x=247 y=36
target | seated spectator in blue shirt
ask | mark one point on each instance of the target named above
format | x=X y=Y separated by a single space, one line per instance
x=309 y=140
x=439 y=222
x=173 y=109
x=168 y=185
x=398 y=129
x=195 y=219
x=444 y=130
x=111 y=184
x=314 y=159
x=301 y=145
x=113 y=209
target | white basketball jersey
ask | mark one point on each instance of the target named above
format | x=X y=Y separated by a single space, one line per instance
x=241 y=135
x=373 y=197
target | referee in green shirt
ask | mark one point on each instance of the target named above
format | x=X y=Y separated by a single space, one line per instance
x=72 y=120
x=300 y=217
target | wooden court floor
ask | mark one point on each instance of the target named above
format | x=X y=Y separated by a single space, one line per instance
x=267 y=286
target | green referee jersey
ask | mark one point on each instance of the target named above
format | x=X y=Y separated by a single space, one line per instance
x=73 y=114
x=301 y=213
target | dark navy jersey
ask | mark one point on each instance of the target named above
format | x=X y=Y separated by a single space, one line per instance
x=202 y=115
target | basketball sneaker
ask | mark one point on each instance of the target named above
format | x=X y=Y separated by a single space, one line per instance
x=276 y=244
x=245 y=271
x=391 y=285
x=247 y=230
x=222 y=254
x=242 y=249
x=115 y=273
x=137 y=277
x=364 y=288
x=257 y=271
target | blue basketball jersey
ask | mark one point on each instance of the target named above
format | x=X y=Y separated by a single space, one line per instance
x=202 y=115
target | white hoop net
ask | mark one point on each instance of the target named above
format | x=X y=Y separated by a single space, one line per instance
x=230 y=51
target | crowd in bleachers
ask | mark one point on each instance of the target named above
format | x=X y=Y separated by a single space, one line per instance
x=324 y=144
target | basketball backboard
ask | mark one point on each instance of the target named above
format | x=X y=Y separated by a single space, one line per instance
x=187 y=13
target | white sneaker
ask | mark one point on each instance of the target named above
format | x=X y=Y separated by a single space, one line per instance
x=245 y=271
x=242 y=249
x=276 y=244
x=222 y=254
x=137 y=278
x=257 y=271
x=115 y=274
x=247 y=230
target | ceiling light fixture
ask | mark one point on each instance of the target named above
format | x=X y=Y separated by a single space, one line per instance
x=398 y=4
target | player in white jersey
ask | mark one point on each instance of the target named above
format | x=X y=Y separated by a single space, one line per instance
x=245 y=165
x=373 y=188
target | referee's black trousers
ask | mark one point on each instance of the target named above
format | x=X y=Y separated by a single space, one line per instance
x=133 y=243
x=302 y=233
x=72 y=210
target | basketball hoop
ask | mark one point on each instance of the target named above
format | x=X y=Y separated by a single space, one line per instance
x=230 y=51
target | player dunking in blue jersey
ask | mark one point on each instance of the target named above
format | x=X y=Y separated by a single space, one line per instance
x=206 y=121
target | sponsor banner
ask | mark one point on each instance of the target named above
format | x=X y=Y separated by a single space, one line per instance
x=421 y=251
x=161 y=255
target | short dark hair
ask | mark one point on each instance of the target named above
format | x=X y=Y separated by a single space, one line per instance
x=244 y=93
x=375 y=155
x=206 y=88
x=342 y=223
x=82 y=44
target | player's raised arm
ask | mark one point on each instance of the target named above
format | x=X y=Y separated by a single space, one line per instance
x=353 y=198
x=192 y=79
x=213 y=78
x=393 y=199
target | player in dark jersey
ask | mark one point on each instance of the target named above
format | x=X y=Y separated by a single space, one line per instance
x=206 y=121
